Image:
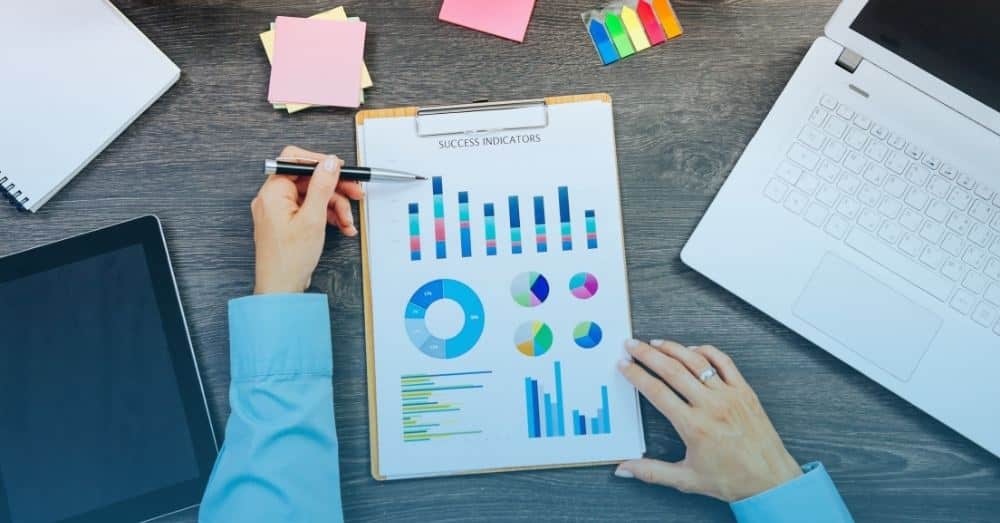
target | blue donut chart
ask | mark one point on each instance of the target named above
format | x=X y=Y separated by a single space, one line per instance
x=416 y=319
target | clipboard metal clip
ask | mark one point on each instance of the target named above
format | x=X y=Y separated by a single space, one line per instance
x=482 y=118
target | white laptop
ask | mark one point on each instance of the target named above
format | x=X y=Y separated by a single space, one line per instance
x=865 y=213
x=75 y=73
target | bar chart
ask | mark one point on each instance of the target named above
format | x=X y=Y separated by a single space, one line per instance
x=433 y=404
x=486 y=237
x=546 y=411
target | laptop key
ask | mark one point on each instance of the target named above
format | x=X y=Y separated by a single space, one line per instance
x=993 y=294
x=966 y=181
x=789 y=172
x=911 y=220
x=828 y=195
x=953 y=244
x=934 y=284
x=890 y=232
x=975 y=282
x=939 y=211
x=818 y=116
x=986 y=315
x=897 y=141
x=897 y=163
x=980 y=235
x=776 y=190
x=803 y=157
x=816 y=214
x=838 y=227
x=890 y=208
x=796 y=201
x=812 y=137
x=933 y=257
x=829 y=102
x=949 y=171
x=954 y=269
x=963 y=302
x=911 y=245
x=835 y=127
x=993 y=269
x=880 y=132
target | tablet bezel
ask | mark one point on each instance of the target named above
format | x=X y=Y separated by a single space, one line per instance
x=145 y=231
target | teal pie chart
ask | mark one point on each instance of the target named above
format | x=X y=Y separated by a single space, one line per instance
x=473 y=319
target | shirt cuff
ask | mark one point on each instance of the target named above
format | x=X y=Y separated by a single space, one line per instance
x=811 y=496
x=279 y=334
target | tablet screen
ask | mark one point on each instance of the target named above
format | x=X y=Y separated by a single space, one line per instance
x=91 y=411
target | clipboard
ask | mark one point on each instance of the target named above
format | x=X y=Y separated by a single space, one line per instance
x=465 y=123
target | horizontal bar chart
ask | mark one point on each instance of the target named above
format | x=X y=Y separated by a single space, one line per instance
x=433 y=404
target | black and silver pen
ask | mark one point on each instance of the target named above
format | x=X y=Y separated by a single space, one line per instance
x=304 y=167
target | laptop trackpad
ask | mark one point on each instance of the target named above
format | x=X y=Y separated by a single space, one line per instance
x=867 y=316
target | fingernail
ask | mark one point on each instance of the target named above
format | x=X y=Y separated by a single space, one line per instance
x=631 y=344
x=656 y=343
x=624 y=363
x=693 y=347
x=330 y=163
x=623 y=473
x=353 y=231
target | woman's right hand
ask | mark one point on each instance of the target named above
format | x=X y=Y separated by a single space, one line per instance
x=733 y=451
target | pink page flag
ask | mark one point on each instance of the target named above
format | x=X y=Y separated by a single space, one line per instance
x=317 y=62
x=505 y=18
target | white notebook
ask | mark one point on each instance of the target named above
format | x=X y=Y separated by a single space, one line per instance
x=497 y=298
x=76 y=74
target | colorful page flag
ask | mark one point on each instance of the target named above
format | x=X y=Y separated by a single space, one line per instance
x=317 y=62
x=505 y=18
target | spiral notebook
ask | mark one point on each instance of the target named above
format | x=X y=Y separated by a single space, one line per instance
x=496 y=293
x=83 y=74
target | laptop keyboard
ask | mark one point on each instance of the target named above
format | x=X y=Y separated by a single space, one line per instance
x=897 y=203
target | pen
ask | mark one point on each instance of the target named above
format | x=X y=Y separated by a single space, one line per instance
x=304 y=167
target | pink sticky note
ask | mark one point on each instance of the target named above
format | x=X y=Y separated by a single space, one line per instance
x=506 y=18
x=317 y=62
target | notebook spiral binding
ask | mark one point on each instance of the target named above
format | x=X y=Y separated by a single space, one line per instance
x=13 y=195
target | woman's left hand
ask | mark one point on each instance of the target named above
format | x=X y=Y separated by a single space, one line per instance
x=733 y=451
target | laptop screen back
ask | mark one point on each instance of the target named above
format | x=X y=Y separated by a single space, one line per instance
x=956 y=43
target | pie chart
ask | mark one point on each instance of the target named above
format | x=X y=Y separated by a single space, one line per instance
x=530 y=289
x=583 y=285
x=533 y=338
x=587 y=335
x=473 y=319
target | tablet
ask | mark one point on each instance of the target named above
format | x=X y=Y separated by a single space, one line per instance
x=102 y=413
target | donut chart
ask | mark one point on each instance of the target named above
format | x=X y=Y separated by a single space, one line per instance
x=416 y=319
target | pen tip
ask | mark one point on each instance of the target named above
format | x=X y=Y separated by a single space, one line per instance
x=421 y=177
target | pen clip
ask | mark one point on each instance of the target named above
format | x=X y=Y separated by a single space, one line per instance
x=299 y=161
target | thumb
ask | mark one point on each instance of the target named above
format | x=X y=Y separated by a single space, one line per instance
x=322 y=186
x=675 y=475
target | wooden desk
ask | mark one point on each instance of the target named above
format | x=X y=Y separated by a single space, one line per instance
x=684 y=113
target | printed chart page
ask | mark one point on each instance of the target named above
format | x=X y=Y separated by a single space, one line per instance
x=499 y=297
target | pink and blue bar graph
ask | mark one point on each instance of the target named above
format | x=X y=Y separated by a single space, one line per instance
x=564 y=223
x=414 y=231
x=463 y=224
x=541 y=241
x=489 y=221
x=515 y=224
x=439 y=237
x=591 y=219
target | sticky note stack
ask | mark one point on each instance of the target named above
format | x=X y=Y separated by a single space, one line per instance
x=504 y=18
x=316 y=61
x=621 y=29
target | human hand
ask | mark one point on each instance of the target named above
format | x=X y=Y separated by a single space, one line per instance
x=290 y=215
x=733 y=451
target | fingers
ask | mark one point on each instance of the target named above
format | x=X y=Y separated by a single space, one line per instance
x=672 y=371
x=351 y=190
x=292 y=152
x=658 y=393
x=675 y=475
x=322 y=186
x=339 y=215
x=723 y=364
x=696 y=363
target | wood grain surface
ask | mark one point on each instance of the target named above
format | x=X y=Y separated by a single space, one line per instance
x=684 y=112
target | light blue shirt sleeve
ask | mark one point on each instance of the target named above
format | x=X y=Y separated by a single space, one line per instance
x=810 y=497
x=279 y=461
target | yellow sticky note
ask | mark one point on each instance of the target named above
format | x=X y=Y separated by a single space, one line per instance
x=337 y=14
x=634 y=27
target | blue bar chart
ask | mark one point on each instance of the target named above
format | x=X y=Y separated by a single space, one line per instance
x=484 y=240
x=545 y=412
x=565 y=227
x=541 y=240
x=464 y=226
x=490 y=224
x=514 y=206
